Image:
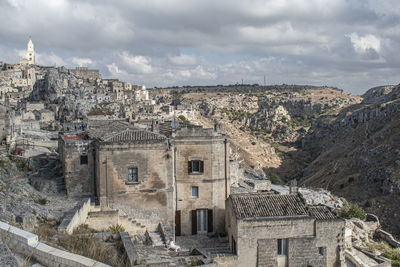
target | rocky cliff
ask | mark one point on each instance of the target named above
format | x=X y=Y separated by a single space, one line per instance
x=356 y=154
x=264 y=122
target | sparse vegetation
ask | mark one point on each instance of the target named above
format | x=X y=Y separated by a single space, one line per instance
x=183 y=119
x=84 y=229
x=304 y=121
x=237 y=114
x=4 y=163
x=116 y=229
x=196 y=263
x=353 y=211
x=387 y=251
x=42 y=201
x=275 y=178
x=90 y=247
x=44 y=231
x=370 y=203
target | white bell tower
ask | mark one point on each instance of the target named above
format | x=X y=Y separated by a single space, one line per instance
x=30 y=52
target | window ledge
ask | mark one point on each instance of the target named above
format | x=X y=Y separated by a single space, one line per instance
x=196 y=173
x=132 y=183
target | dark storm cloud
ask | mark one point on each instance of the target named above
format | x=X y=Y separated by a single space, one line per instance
x=346 y=43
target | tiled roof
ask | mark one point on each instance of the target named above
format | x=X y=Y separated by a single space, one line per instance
x=267 y=205
x=321 y=213
x=133 y=135
x=101 y=128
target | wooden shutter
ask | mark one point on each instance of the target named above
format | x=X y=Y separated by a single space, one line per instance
x=178 y=223
x=210 y=220
x=189 y=167
x=194 y=222
x=201 y=166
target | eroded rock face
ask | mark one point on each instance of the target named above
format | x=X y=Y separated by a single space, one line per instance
x=22 y=204
x=355 y=154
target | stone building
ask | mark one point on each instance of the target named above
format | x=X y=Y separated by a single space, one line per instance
x=85 y=73
x=266 y=229
x=179 y=178
x=202 y=177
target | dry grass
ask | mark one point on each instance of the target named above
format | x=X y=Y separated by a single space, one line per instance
x=44 y=231
x=85 y=245
x=90 y=247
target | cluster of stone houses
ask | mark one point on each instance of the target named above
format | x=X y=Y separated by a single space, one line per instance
x=140 y=162
x=181 y=177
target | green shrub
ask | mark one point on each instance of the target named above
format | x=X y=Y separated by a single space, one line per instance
x=42 y=201
x=183 y=119
x=369 y=203
x=275 y=179
x=353 y=211
x=116 y=229
x=387 y=251
x=4 y=163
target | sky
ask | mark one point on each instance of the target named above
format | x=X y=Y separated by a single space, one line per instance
x=350 y=44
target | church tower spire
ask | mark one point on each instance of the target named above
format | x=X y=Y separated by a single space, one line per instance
x=30 y=52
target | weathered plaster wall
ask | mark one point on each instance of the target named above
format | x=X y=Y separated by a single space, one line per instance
x=152 y=198
x=78 y=177
x=208 y=146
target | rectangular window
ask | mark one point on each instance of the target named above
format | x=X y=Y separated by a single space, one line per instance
x=195 y=166
x=133 y=175
x=84 y=159
x=321 y=251
x=282 y=247
x=195 y=191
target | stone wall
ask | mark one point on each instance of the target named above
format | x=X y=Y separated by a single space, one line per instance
x=75 y=217
x=100 y=220
x=27 y=244
x=78 y=177
x=151 y=198
x=85 y=73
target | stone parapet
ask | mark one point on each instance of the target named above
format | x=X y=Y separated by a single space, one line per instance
x=76 y=217
x=27 y=244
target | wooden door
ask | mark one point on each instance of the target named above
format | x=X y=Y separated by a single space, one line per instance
x=194 y=222
x=178 y=223
x=210 y=220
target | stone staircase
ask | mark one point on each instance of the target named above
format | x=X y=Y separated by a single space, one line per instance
x=155 y=239
x=218 y=251
x=134 y=226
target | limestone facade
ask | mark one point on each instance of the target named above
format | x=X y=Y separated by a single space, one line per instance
x=283 y=231
x=150 y=176
x=206 y=189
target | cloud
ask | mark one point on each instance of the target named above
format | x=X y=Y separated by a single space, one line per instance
x=135 y=64
x=346 y=43
x=81 y=61
x=49 y=59
x=364 y=43
x=115 y=70
x=183 y=59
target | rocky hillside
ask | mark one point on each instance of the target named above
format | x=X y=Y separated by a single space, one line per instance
x=265 y=123
x=321 y=136
x=356 y=154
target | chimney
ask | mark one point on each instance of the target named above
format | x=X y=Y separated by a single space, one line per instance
x=293 y=189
